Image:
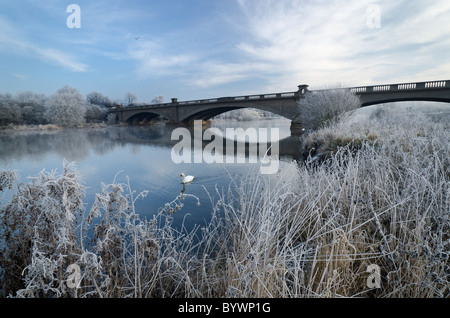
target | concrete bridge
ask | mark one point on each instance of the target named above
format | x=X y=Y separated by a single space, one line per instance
x=283 y=104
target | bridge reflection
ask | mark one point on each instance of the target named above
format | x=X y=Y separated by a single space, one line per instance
x=78 y=144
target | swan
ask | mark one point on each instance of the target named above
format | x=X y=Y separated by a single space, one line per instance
x=187 y=179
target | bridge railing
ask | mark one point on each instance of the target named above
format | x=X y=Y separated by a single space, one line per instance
x=296 y=95
x=240 y=98
x=222 y=100
x=407 y=86
x=400 y=87
x=438 y=84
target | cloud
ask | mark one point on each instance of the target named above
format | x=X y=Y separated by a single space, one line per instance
x=12 y=41
x=286 y=44
x=22 y=77
x=59 y=58
x=311 y=43
x=275 y=45
x=323 y=42
x=155 y=59
x=213 y=73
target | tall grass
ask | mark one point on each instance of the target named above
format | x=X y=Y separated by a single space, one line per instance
x=44 y=231
x=380 y=197
x=316 y=234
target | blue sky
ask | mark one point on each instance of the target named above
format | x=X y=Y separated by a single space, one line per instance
x=194 y=49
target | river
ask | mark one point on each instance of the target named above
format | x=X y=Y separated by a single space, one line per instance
x=143 y=154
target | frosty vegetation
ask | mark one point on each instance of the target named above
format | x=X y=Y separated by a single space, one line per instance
x=245 y=114
x=319 y=109
x=67 y=108
x=372 y=190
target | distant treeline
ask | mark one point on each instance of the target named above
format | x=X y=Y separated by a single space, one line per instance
x=67 y=107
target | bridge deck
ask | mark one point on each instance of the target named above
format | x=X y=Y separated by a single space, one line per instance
x=284 y=104
x=248 y=98
x=360 y=90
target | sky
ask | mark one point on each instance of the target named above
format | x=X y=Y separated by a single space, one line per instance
x=195 y=49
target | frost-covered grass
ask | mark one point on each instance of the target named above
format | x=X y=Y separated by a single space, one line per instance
x=381 y=196
x=44 y=231
x=384 y=202
x=383 y=125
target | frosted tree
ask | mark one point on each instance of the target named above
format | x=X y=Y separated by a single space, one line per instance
x=10 y=112
x=66 y=107
x=97 y=107
x=96 y=113
x=158 y=100
x=322 y=108
x=32 y=106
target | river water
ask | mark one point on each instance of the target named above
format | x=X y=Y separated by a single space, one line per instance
x=143 y=154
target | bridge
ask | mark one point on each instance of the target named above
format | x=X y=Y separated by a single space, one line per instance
x=283 y=104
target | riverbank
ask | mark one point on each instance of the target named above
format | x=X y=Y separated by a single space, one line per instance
x=368 y=220
x=50 y=127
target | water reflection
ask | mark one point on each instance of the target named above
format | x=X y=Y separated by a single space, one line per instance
x=141 y=153
x=77 y=144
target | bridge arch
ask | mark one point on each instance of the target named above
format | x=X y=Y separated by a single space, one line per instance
x=436 y=91
x=284 y=109
x=370 y=102
x=210 y=113
x=213 y=112
x=141 y=117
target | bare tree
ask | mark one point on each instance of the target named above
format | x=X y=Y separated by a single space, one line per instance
x=66 y=107
x=98 y=99
x=130 y=99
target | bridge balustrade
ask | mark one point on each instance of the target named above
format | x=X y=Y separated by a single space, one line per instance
x=438 y=84
x=400 y=87
x=382 y=88
x=407 y=86
x=358 y=89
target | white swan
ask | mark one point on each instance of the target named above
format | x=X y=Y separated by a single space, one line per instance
x=187 y=179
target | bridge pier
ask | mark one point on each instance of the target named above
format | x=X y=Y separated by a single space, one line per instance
x=297 y=127
x=303 y=89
